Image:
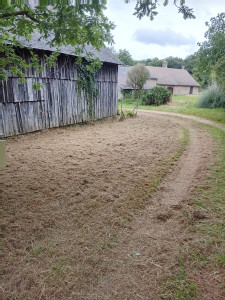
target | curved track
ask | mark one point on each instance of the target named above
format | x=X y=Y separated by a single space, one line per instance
x=159 y=233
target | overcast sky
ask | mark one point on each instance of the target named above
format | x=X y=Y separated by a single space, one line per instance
x=167 y=35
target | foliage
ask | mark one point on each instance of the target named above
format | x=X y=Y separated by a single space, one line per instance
x=220 y=72
x=125 y=56
x=86 y=82
x=149 y=8
x=155 y=62
x=211 y=51
x=213 y=97
x=126 y=93
x=175 y=62
x=156 y=96
x=190 y=62
x=130 y=113
x=62 y=24
x=137 y=76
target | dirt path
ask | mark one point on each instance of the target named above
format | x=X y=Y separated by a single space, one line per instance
x=198 y=119
x=75 y=225
x=152 y=248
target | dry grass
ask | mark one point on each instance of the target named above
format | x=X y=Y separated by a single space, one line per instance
x=69 y=197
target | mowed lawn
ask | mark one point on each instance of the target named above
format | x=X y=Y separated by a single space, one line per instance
x=68 y=198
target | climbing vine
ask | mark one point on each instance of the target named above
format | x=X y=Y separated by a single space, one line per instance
x=86 y=82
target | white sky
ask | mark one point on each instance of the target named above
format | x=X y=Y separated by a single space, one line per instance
x=167 y=35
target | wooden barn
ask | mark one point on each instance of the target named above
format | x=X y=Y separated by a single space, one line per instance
x=57 y=103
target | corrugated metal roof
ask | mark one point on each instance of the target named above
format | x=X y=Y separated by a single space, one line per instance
x=105 y=55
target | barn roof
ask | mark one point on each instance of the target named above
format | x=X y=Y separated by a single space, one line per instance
x=104 y=54
x=164 y=76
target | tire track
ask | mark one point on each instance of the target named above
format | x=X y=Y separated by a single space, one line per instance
x=150 y=249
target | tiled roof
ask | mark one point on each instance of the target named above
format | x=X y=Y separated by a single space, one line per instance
x=164 y=76
x=169 y=76
x=105 y=55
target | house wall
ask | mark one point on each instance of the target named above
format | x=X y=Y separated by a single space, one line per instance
x=182 y=90
x=23 y=109
x=195 y=90
x=150 y=84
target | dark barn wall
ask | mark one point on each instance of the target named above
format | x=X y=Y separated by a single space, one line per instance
x=23 y=109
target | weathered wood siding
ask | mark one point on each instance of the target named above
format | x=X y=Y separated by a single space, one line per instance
x=23 y=109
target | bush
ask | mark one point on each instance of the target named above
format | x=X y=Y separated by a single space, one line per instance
x=213 y=97
x=156 y=96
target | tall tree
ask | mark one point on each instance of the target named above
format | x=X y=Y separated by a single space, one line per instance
x=155 y=62
x=175 y=62
x=74 y=24
x=125 y=56
x=190 y=62
x=63 y=22
x=212 y=50
x=137 y=76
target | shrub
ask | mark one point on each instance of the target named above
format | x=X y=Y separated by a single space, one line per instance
x=126 y=93
x=156 y=96
x=213 y=97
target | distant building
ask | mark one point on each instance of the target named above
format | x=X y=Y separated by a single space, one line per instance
x=178 y=81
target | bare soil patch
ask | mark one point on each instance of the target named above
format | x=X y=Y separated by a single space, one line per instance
x=79 y=220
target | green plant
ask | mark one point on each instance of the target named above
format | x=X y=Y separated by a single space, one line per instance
x=126 y=93
x=86 y=82
x=213 y=97
x=130 y=113
x=156 y=96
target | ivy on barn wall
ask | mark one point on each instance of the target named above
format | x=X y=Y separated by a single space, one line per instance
x=86 y=82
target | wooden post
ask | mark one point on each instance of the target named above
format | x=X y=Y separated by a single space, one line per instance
x=2 y=154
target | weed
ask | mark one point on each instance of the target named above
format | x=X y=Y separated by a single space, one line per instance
x=221 y=260
x=180 y=287
x=130 y=113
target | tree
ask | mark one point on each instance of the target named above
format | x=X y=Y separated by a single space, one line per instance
x=220 y=72
x=211 y=51
x=190 y=62
x=155 y=62
x=175 y=62
x=63 y=22
x=149 y=8
x=138 y=76
x=125 y=56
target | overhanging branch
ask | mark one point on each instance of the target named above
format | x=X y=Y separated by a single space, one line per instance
x=19 y=13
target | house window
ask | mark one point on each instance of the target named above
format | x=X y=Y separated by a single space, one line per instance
x=170 y=88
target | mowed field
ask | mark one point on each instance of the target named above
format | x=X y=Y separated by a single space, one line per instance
x=72 y=200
